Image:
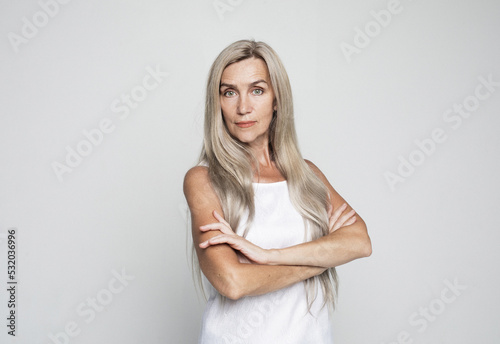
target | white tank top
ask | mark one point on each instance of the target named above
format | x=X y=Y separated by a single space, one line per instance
x=276 y=317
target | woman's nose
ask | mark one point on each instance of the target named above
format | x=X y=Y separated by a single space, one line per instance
x=244 y=105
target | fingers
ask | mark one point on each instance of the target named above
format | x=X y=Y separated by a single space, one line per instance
x=351 y=220
x=336 y=214
x=251 y=252
x=222 y=225
x=338 y=220
x=217 y=226
x=235 y=242
x=341 y=222
x=220 y=218
x=219 y=239
x=347 y=216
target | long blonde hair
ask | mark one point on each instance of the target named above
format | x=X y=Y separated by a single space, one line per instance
x=231 y=163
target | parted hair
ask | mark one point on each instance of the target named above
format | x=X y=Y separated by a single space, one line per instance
x=231 y=165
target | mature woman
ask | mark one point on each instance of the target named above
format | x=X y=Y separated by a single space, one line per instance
x=263 y=218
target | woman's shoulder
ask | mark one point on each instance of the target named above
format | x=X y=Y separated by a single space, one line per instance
x=196 y=174
x=313 y=167
x=198 y=188
x=195 y=182
x=198 y=171
x=317 y=172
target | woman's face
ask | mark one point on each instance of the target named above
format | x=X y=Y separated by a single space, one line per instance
x=247 y=101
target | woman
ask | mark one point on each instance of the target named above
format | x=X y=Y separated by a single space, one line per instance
x=263 y=218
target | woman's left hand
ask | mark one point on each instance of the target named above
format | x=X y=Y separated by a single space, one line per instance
x=253 y=252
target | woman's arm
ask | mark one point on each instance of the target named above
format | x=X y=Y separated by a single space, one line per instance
x=220 y=263
x=340 y=246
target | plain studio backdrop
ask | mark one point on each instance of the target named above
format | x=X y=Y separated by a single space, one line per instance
x=102 y=114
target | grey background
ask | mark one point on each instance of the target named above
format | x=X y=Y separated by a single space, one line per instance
x=122 y=207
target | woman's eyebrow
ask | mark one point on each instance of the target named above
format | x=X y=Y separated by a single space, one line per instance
x=223 y=84
x=258 y=82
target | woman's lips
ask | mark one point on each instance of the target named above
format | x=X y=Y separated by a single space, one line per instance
x=246 y=124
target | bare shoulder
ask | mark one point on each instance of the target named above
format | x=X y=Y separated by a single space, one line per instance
x=195 y=178
x=337 y=200
x=199 y=191
x=315 y=169
x=195 y=175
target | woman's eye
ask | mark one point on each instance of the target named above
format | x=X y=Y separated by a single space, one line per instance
x=258 y=91
x=229 y=93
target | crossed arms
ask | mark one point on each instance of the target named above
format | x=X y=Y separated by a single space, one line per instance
x=216 y=244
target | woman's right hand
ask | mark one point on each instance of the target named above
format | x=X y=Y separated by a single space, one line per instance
x=337 y=220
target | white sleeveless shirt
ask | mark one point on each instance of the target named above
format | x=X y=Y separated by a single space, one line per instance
x=278 y=317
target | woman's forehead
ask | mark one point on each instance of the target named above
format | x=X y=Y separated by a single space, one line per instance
x=245 y=71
